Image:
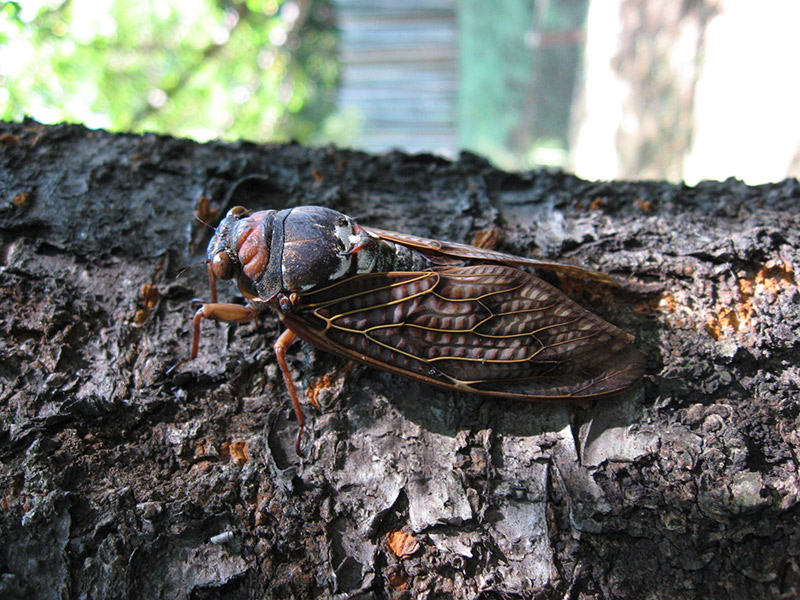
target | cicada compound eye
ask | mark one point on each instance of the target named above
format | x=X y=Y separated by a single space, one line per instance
x=221 y=266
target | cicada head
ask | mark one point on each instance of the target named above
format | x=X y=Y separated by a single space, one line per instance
x=293 y=250
x=240 y=247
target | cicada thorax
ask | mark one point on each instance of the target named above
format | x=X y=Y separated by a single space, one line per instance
x=295 y=250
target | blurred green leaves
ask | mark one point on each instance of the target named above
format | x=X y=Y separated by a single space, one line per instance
x=253 y=69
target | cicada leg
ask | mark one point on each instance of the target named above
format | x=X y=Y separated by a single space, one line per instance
x=226 y=313
x=281 y=345
x=237 y=313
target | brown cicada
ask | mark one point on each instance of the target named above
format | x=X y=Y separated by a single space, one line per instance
x=448 y=314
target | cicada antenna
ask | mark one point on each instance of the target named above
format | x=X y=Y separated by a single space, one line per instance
x=192 y=266
x=203 y=223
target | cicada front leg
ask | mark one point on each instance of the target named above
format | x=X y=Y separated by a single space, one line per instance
x=217 y=311
x=237 y=313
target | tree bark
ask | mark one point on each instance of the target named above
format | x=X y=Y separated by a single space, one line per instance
x=119 y=481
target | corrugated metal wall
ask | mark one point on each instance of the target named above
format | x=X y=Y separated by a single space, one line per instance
x=400 y=72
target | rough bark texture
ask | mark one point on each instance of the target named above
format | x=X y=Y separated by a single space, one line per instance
x=117 y=481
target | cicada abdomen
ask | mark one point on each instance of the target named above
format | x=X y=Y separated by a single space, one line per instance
x=448 y=314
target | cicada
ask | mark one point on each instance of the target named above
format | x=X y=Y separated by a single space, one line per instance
x=449 y=314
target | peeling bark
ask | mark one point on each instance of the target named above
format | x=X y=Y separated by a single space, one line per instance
x=118 y=481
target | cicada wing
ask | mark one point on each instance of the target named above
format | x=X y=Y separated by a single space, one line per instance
x=466 y=252
x=491 y=329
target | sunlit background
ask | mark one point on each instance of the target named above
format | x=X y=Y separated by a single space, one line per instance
x=683 y=91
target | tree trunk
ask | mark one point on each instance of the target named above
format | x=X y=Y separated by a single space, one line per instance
x=120 y=481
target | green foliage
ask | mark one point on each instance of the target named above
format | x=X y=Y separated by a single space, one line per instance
x=254 y=69
x=517 y=78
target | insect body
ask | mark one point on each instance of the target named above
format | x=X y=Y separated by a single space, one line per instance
x=448 y=314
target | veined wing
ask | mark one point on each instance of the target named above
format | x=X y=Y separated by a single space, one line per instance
x=464 y=251
x=487 y=328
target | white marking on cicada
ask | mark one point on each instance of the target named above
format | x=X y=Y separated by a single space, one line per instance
x=344 y=268
x=344 y=231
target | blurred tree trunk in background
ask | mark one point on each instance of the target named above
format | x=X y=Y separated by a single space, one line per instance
x=689 y=90
x=634 y=115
